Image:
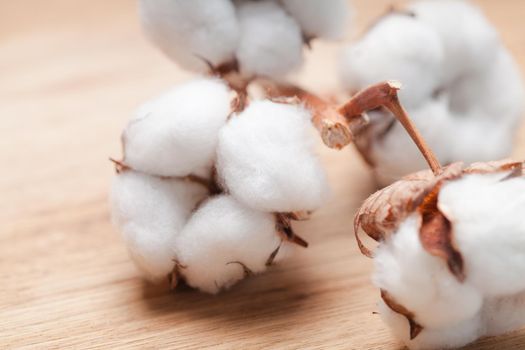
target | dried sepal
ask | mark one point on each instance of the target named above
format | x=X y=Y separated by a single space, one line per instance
x=246 y=270
x=415 y=328
x=436 y=234
x=299 y=215
x=516 y=168
x=271 y=258
x=120 y=166
x=383 y=211
x=175 y=277
x=284 y=228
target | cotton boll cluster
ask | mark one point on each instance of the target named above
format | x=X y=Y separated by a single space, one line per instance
x=454 y=69
x=258 y=38
x=451 y=254
x=210 y=223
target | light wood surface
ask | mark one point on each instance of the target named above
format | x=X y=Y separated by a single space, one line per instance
x=71 y=73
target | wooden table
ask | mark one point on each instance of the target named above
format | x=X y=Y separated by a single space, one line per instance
x=71 y=73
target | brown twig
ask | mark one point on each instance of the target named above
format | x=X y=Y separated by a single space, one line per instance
x=336 y=131
x=338 y=126
x=385 y=95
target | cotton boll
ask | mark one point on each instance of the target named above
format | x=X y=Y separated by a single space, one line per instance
x=190 y=31
x=150 y=212
x=266 y=160
x=176 y=133
x=400 y=48
x=271 y=43
x=449 y=337
x=220 y=236
x=421 y=282
x=470 y=41
x=319 y=18
x=489 y=230
x=504 y=314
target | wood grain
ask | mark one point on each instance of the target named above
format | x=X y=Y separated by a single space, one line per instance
x=71 y=73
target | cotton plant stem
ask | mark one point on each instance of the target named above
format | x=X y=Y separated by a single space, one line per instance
x=385 y=95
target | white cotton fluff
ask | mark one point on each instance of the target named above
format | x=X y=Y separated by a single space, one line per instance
x=266 y=159
x=497 y=94
x=489 y=230
x=176 y=134
x=448 y=337
x=271 y=43
x=400 y=48
x=189 y=31
x=469 y=40
x=221 y=234
x=150 y=212
x=421 y=282
x=320 y=18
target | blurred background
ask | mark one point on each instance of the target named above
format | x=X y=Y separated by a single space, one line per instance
x=71 y=74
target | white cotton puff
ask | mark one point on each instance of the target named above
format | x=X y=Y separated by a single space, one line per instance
x=320 y=18
x=397 y=48
x=176 y=133
x=489 y=230
x=271 y=43
x=449 y=337
x=470 y=41
x=422 y=283
x=190 y=31
x=478 y=140
x=266 y=159
x=504 y=314
x=497 y=94
x=150 y=212
x=219 y=235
